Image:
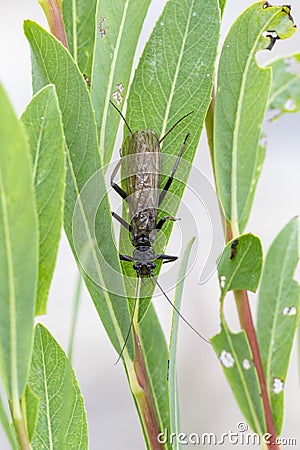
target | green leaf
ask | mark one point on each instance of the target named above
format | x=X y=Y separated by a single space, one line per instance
x=222 y=4
x=240 y=265
x=173 y=78
x=61 y=418
x=235 y=356
x=30 y=406
x=238 y=118
x=279 y=301
x=155 y=354
x=18 y=253
x=119 y=25
x=7 y=427
x=87 y=229
x=44 y=130
x=79 y=19
x=173 y=394
x=175 y=73
x=285 y=88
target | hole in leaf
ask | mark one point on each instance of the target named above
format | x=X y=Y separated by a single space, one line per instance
x=226 y=359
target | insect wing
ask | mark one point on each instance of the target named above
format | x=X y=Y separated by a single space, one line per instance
x=141 y=171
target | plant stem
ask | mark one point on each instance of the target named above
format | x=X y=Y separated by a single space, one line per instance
x=242 y=301
x=53 y=13
x=142 y=393
x=19 y=424
x=245 y=316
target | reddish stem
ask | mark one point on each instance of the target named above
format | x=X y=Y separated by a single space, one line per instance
x=53 y=13
x=145 y=403
x=245 y=316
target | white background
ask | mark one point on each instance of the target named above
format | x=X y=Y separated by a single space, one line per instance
x=207 y=404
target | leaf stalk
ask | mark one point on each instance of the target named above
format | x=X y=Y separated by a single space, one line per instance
x=53 y=13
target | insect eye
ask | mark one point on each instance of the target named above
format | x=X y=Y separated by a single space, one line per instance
x=153 y=265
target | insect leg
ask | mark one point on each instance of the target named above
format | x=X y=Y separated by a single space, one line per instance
x=166 y=258
x=121 y=221
x=126 y=258
x=170 y=179
x=114 y=185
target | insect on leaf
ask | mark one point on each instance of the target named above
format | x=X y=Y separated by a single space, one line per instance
x=87 y=216
x=238 y=119
x=279 y=301
x=173 y=78
x=42 y=120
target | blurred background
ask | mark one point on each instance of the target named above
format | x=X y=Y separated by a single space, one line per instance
x=207 y=403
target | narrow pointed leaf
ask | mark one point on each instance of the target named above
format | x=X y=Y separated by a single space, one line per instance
x=238 y=119
x=285 y=88
x=30 y=406
x=119 y=25
x=240 y=265
x=42 y=120
x=79 y=19
x=10 y=434
x=51 y=63
x=222 y=5
x=61 y=417
x=18 y=253
x=279 y=300
x=173 y=394
x=235 y=356
x=155 y=354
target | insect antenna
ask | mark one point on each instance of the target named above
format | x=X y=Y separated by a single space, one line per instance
x=125 y=121
x=131 y=320
x=154 y=279
x=175 y=125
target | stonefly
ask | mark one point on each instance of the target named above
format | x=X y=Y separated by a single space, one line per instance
x=141 y=164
